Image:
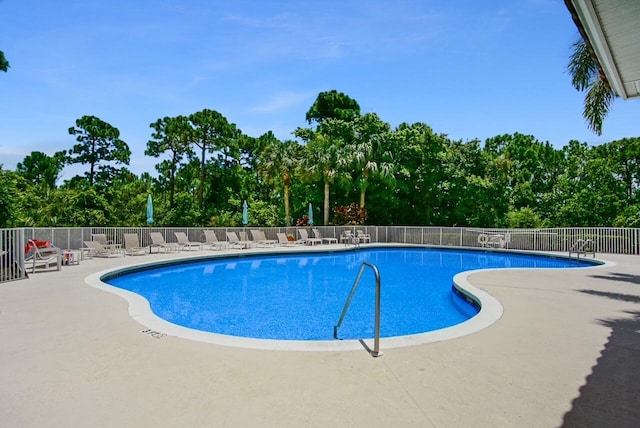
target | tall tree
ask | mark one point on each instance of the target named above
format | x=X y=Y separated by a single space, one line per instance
x=470 y=195
x=173 y=135
x=368 y=153
x=333 y=105
x=4 y=64
x=416 y=198
x=278 y=162
x=41 y=169
x=624 y=158
x=588 y=193
x=324 y=158
x=525 y=168
x=587 y=77
x=212 y=132
x=99 y=144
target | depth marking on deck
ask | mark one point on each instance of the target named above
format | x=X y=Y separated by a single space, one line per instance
x=153 y=333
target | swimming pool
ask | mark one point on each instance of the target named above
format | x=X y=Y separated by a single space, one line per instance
x=299 y=296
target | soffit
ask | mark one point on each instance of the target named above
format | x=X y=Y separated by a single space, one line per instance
x=613 y=29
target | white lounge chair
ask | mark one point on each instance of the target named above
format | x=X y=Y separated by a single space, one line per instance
x=211 y=240
x=349 y=238
x=284 y=240
x=132 y=245
x=261 y=239
x=43 y=257
x=244 y=237
x=157 y=240
x=96 y=249
x=184 y=242
x=363 y=237
x=304 y=237
x=318 y=235
x=234 y=241
x=101 y=238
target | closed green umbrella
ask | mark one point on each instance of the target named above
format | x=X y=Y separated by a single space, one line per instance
x=310 y=214
x=245 y=213
x=149 y=210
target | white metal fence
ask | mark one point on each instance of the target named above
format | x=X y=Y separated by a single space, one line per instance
x=12 y=244
x=606 y=239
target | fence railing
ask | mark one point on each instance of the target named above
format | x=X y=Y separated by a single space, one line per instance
x=610 y=240
x=12 y=244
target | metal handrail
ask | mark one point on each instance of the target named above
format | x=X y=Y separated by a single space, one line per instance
x=579 y=248
x=376 y=344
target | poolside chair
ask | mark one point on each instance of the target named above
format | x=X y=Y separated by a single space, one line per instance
x=244 y=237
x=132 y=245
x=96 y=249
x=184 y=242
x=318 y=235
x=304 y=237
x=102 y=239
x=234 y=241
x=261 y=239
x=491 y=240
x=349 y=238
x=43 y=257
x=157 y=240
x=363 y=237
x=284 y=240
x=211 y=240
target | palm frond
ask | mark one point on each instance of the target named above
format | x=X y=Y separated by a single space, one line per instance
x=582 y=67
x=597 y=103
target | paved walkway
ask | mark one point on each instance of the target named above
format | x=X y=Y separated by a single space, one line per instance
x=566 y=352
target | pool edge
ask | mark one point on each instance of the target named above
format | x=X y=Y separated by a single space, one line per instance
x=491 y=309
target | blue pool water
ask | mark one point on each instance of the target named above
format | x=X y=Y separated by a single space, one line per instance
x=300 y=296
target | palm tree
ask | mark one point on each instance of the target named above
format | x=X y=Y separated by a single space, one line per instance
x=367 y=152
x=279 y=161
x=587 y=76
x=324 y=159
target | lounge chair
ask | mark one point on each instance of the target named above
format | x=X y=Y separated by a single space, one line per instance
x=96 y=249
x=132 y=245
x=349 y=238
x=234 y=241
x=184 y=242
x=304 y=237
x=211 y=240
x=318 y=235
x=495 y=240
x=43 y=257
x=363 y=237
x=244 y=237
x=284 y=240
x=261 y=239
x=157 y=240
x=102 y=239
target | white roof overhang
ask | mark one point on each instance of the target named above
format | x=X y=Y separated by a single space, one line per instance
x=613 y=31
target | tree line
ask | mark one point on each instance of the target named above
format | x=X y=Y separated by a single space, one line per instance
x=351 y=167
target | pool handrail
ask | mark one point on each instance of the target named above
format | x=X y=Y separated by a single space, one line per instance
x=376 y=341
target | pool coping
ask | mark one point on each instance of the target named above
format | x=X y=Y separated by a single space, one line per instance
x=491 y=310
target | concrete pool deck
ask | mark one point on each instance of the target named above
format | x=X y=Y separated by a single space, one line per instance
x=566 y=352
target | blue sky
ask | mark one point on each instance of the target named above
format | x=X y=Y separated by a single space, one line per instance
x=469 y=69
